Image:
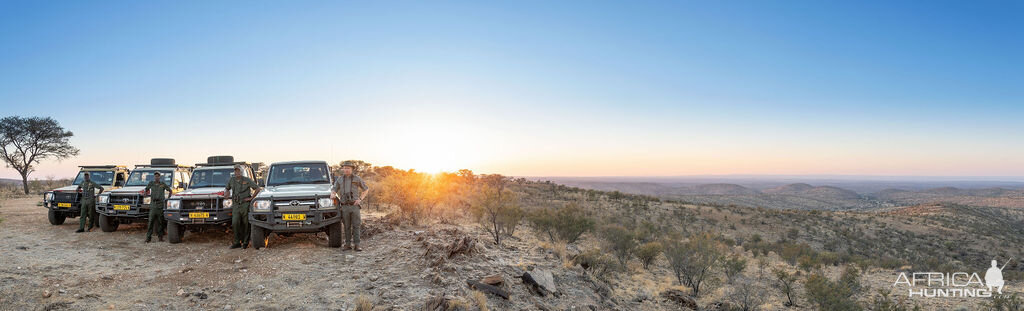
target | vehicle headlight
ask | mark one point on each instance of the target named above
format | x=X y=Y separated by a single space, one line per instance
x=227 y=203
x=48 y=196
x=147 y=200
x=325 y=203
x=261 y=205
x=103 y=199
x=173 y=204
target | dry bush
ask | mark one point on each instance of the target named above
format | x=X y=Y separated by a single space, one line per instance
x=363 y=303
x=479 y=299
x=497 y=210
x=692 y=261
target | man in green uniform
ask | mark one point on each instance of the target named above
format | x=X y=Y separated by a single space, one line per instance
x=350 y=190
x=157 y=223
x=239 y=187
x=88 y=203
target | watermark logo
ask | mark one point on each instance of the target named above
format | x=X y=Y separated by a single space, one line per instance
x=956 y=284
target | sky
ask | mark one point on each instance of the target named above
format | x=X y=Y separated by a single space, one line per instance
x=529 y=88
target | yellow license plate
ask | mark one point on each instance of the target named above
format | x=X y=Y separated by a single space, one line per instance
x=63 y=204
x=294 y=216
x=118 y=207
x=198 y=215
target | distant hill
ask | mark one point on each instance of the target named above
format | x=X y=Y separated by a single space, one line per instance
x=4 y=181
x=723 y=189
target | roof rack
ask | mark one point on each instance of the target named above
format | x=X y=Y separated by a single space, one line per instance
x=162 y=166
x=101 y=166
x=223 y=164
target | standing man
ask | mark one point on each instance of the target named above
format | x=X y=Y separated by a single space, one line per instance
x=241 y=197
x=87 y=205
x=350 y=190
x=156 y=189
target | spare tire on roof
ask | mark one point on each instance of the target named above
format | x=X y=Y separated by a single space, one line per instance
x=161 y=161
x=220 y=159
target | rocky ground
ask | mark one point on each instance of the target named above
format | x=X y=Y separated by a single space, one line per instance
x=411 y=267
x=50 y=267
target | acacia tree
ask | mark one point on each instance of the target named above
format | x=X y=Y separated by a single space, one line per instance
x=24 y=142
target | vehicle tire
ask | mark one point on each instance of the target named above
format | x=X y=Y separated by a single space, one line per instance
x=174 y=232
x=334 y=235
x=257 y=236
x=108 y=224
x=56 y=218
x=220 y=159
x=161 y=161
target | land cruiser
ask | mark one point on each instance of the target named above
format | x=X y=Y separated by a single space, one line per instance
x=296 y=198
x=204 y=203
x=130 y=203
x=64 y=202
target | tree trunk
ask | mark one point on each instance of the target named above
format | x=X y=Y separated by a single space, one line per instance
x=24 y=182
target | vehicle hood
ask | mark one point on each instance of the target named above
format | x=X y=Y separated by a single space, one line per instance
x=131 y=190
x=300 y=190
x=71 y=188
x=203 y=193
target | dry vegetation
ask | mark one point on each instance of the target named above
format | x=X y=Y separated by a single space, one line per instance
x=609 y=250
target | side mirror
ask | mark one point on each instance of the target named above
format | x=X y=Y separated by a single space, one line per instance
x=183 y=185
x=261 y=183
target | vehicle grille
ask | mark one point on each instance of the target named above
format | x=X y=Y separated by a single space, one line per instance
x=203 y=204
x=125 y=199
x=65 y=197
x=298 y=202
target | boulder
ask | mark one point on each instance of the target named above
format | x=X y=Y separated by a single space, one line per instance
x=541 y=279
x=680 y=298
x=493 y=280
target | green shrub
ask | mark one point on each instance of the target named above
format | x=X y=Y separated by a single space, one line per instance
x=834 y=295
x=566 y=224
x=733 y=266
x=785 y=282
x=647 y=252
x=621 y=242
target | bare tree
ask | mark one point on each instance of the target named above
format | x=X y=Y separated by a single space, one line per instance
x=24 y=142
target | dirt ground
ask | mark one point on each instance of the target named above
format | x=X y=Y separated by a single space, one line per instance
x=48 y=267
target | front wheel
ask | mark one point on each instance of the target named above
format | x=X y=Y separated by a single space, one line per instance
x=334 y=235
x=56 y=218
x=257 y=236
x=108 y=224
x=174 y=232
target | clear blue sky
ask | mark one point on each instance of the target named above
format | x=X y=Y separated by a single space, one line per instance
x=530 y=87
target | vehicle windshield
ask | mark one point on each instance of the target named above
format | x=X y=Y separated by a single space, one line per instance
x=299 y=173
x=104 y=178
x=211 y=177
x=142 y=178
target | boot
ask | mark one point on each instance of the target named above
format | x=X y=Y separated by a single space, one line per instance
x=80 y=231
x=357 y=248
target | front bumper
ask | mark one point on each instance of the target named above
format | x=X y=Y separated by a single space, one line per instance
x=133 y=211
x=74 y=209
x=181 y=216
x=316 y=220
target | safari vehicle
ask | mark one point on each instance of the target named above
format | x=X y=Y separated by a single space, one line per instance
x=130 y=203
x=64 y=202
x=204 y=203
x=296 y=198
